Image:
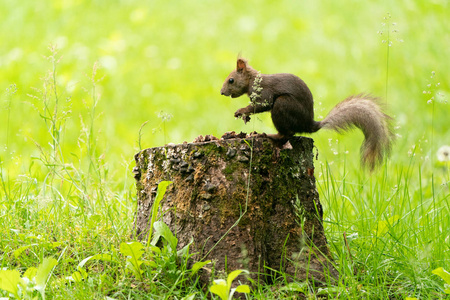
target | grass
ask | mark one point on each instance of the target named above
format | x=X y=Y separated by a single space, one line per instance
x=70 y=128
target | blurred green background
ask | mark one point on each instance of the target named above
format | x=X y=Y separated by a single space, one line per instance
x=173 y=56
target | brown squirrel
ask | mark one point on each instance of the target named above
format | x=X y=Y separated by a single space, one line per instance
x=291 y=103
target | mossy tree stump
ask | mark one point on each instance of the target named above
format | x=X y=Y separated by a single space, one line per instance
x=214 y=181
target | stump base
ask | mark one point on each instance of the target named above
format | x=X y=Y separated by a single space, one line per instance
x=270 y=191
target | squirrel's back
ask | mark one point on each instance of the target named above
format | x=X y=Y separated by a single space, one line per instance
x=293 y=102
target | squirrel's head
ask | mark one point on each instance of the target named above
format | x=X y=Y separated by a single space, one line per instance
x=238 y=82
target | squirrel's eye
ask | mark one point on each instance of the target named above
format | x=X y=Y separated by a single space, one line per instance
x=231 y=80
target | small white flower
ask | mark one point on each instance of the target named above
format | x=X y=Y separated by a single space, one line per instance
x=443 y=154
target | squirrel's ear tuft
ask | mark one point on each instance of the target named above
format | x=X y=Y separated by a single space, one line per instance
x=241 y=65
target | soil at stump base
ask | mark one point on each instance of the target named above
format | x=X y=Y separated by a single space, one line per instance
x=215 y=181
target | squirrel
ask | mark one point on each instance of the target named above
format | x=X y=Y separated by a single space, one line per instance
x=292 y=106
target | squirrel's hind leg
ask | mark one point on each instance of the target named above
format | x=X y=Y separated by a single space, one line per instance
x=278 y=139
x=277 y=136
x=290 y=116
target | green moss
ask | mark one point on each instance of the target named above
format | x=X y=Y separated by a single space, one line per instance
x=207 y=148
x=231 y=167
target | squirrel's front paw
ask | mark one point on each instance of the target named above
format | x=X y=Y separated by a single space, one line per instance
x=238 y=113
x=241 y=113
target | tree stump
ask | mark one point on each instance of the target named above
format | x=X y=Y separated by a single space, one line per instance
x=271 y=191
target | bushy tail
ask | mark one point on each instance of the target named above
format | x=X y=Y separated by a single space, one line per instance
x=364 y=112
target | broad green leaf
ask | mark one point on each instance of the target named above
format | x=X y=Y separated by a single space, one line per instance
x=443 y=274
x=104 y=257
x=161 y=229
x=189 y=297
x=220 y=288
x=43 y=271
x=30 y=273
x=243 y=289
x=393 y=219
x=409 y=298
x=150 y=263
x=385 y=225
x=155 y=249
x=381 y=228
x=330 y=290
x=233 y=275
x=162 y=187
x=56 y=244
x=9 y=281
x=77 y=277
x=135 y=267
x=295 y=287
x=198 y=265
x=132 y=249
x=94 y=220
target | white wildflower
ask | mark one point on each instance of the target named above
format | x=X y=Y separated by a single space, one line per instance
x=443 y=154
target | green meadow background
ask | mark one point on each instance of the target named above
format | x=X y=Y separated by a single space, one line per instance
x=86 y=84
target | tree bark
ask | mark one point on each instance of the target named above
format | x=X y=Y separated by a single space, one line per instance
x=246 y=203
